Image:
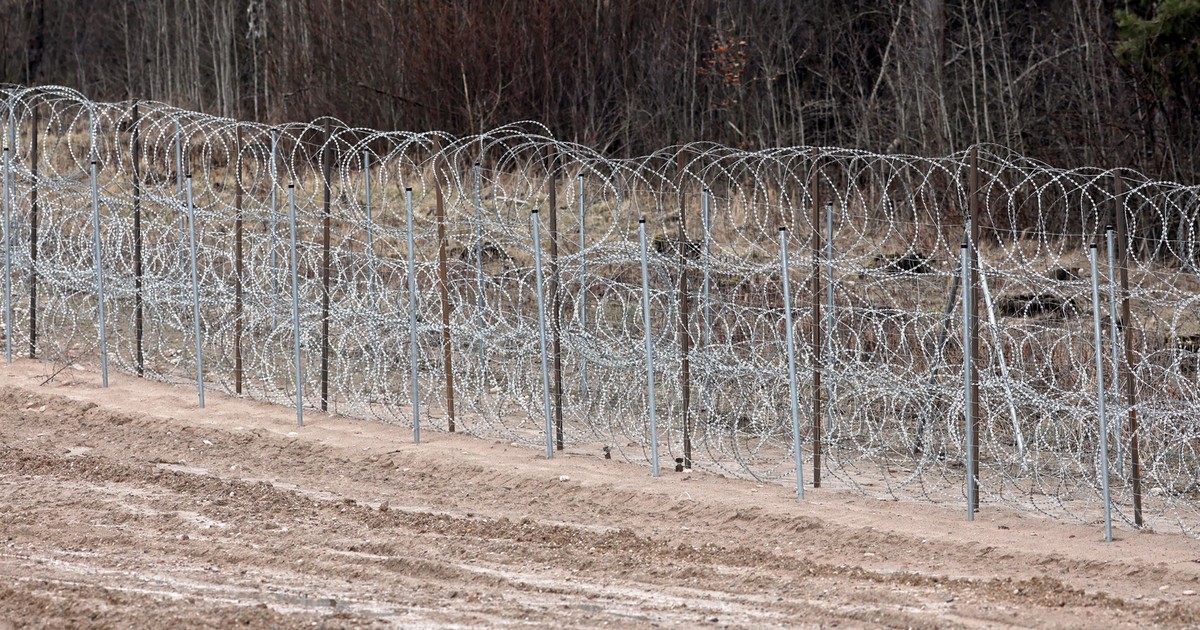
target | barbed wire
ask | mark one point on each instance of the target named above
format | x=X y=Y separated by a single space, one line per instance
x=875 y=240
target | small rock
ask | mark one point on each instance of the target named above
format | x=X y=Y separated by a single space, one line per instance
x=713 y=619
x=207 y=443
x=383 y=507
x=868 y=555
x=1164 y=587
x=1189 y=592
x=563 y=478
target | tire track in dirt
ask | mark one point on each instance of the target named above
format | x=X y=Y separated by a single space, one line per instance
x=396 y=537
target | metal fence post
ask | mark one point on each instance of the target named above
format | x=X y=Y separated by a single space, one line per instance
x=1114 y=345
x=444 y=286
x=296 y=336
x=541 y=304
x=829 y=319
x=239 y=267
x=793 y=386
x=555 y=304
x=413 y=361
x=583 y=287
x=371 y=280
x=191 y=217
x=272 y=225
x=99 y=263
x=817 y=344
x=33 y=235
x=649 y=349
x=1100 y=394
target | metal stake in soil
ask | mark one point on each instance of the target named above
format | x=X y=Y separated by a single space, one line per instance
x=649 y=349
x=191 y=217
x=541 y=304
x=1115 y=347
x=370 y=237
x=583 y=287
x=1100 y=395
x=413 y=360
x=793 y=386
x=33 y=235
x=295 y=273
x=99 y=262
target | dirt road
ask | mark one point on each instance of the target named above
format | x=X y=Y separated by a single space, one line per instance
x=130 y=507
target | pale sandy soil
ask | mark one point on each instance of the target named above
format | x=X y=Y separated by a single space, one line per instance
x=131 y=507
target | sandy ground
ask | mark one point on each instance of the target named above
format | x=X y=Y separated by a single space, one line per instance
x=131 y=507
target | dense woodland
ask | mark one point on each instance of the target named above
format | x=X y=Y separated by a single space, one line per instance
x=1073 y=82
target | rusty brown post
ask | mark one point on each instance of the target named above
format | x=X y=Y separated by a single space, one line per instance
x=1126 y=325
x=239 y=268
x=685 y=337
x=443 y=283
x=973 y=254
x=33 y=236
x=327 y=168
x=818 y=359
x=555 y=306
x=138 y=308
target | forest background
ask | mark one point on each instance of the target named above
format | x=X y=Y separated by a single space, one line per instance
x=1072 y=82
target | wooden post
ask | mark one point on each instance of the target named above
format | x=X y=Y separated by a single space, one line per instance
x=973 y=254
x=447 y=354
x=327 y=175
x=1125 y=325
x=685 y=337
x=818 y=359
x=138 y=313
x=555 y=306
x=238 y=325
x=33 y=235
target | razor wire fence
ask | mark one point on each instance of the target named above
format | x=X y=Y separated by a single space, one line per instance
x=497 y=284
